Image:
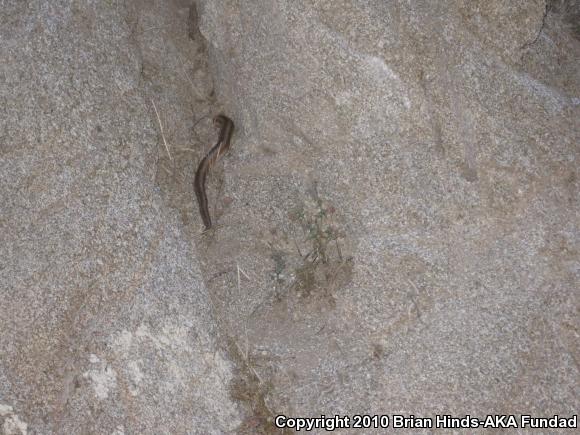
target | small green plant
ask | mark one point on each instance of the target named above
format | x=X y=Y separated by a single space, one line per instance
x=320 y=230
x=279 y=266
x=321 y=233
x=324 y=254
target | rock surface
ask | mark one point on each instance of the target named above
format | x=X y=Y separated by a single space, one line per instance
x=106 y=324
x=426 y=154
x=396 y=223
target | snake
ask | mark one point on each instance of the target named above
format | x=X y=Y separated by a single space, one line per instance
x=226 y=129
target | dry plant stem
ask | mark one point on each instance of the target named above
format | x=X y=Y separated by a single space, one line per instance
x=161 y=128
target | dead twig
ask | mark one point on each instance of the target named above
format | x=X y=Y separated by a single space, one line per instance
x=161 y=128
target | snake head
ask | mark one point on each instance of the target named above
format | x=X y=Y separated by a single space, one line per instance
x=219 y=120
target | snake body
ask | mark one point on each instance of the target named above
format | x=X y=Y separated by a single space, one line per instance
x=226 y=126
